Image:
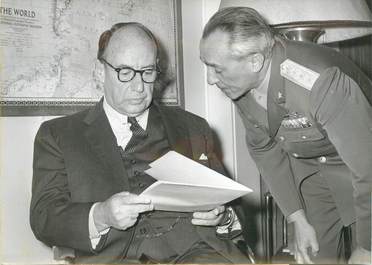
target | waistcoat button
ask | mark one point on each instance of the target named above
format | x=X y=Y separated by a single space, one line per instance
x=322 y=159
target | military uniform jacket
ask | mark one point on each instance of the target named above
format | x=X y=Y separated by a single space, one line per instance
x=318 y=118
x=77 y=162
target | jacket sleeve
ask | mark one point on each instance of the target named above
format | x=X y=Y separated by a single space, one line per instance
x=341 y=108
x=274 y=166
x=55 y=219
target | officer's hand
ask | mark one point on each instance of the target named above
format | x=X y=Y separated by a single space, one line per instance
x=211 y=218
x=120 y=211
x=305 y=241
x=360 y=256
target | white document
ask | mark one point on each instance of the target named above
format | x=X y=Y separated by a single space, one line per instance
x=186 y=186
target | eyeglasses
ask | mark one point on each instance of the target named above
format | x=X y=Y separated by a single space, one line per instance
x=126 y=74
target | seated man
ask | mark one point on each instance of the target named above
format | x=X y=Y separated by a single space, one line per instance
x=89 y=169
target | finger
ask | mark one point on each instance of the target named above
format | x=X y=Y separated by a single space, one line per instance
x=304 y=254
x=212 y=214
x=203 y=222
x=133 y=209
x=140 y=208
x=314 y=247
x=205 y=215
x=295 y=254
x=299 y=258
x=306 y=258
x=218 y=210
x=123 y=193
x=134 y=199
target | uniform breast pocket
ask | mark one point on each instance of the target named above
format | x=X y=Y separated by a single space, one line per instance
x=299 y=134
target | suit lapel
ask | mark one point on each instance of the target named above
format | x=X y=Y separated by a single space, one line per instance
x=176 y=130
x=102 y=141
x=276 y=92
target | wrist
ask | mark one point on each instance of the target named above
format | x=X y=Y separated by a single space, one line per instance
x=99 y=217
x=297 y=217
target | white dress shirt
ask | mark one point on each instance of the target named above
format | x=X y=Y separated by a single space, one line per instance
x=121 y=128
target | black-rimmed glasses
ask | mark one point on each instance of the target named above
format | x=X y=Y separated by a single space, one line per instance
x=126 y=74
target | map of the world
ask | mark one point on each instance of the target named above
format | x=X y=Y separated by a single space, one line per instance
x=48 y=47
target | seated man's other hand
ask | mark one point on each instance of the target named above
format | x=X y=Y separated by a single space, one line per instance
x=210 y=218
x=120 y=211
x=360 y=256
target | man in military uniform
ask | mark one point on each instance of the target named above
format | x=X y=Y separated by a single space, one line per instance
x=308 y=126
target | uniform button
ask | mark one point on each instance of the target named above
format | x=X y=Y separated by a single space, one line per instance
x=322 y=159
x=133 y=161
x=281 y=138
x=142 y=185
x=256 y=126
x=136 y=173
x=295 y=155
x=304 y=137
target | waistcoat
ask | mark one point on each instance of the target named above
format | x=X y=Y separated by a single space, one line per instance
x=158 y=236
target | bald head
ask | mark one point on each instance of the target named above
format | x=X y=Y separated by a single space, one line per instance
x=123 y=34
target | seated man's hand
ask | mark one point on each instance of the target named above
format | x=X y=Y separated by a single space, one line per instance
x=211 y=218
x=360 y=256
x=120 y=211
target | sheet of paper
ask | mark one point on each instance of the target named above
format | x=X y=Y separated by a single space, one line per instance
x=185 y=185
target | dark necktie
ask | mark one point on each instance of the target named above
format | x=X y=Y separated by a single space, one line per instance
x=138 y=135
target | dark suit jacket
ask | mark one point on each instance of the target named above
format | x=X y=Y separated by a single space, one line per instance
x=340 y=114
x=77 y=163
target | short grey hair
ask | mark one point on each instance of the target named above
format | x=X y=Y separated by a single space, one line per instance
x=247 y=29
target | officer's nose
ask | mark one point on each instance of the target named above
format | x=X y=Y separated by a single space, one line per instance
x=211 y=76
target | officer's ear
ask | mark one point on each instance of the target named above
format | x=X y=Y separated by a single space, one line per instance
x=257 y=62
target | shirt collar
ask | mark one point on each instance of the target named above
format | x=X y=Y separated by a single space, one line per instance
x=117 y=119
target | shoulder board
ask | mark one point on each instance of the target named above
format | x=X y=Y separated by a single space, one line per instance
x=298 y=74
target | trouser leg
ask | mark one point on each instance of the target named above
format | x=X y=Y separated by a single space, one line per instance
x=322 y=213
x=201 y=253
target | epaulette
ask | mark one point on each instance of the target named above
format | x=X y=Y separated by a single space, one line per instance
x=298 y=74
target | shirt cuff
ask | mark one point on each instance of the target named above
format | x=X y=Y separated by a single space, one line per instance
x=94 y=235
x=296 y=216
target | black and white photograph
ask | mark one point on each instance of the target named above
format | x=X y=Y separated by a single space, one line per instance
x=185 y=131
